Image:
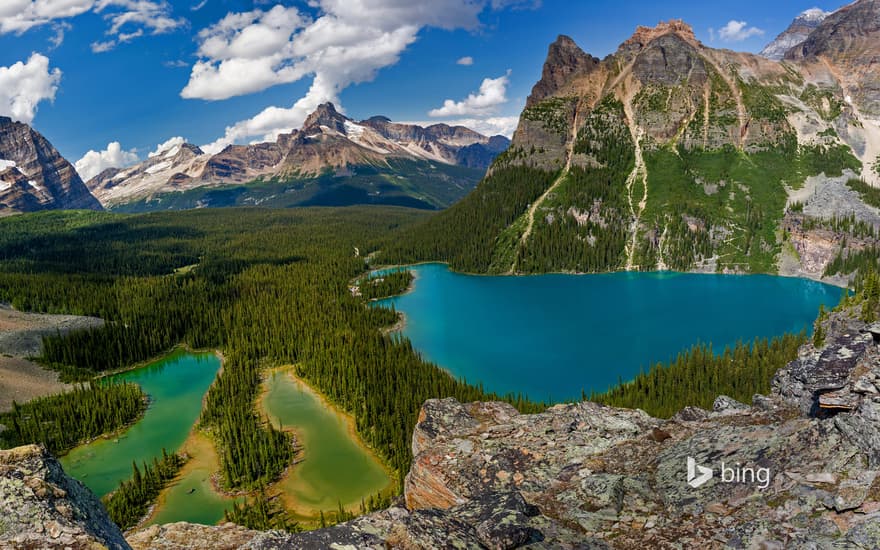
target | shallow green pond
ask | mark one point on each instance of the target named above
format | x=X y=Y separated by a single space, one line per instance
x=336 y=468
x=176 y=385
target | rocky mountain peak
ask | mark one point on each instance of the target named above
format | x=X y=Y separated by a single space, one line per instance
x=325 y=115
x=849 y=41
x=50 y=181
x=837 y=33
x=565 y=59
x=795 y=34
x=645 y=35
x=192 y=149
x=378 y=119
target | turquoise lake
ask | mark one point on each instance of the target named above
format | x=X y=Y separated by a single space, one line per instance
x=551 y=336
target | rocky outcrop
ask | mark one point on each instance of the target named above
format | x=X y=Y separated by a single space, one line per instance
x=34 y=175
x=44 y=508
x=327 y=142
x=565 y=61
x=495 y=521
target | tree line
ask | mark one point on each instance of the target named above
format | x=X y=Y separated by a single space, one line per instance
x=697 y=376
x=64 y=420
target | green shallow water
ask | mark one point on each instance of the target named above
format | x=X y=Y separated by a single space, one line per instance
x=551 y=336
x=176 y=385
x=192 y=498
x=336 y=468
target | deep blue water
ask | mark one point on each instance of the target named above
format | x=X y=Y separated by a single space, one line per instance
x=551 y=336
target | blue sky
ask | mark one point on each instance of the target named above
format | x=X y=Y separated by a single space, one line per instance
x=120 y=77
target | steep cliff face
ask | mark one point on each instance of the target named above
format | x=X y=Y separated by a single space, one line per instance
x=846 y=41
x=34 y=176
x=327 y=143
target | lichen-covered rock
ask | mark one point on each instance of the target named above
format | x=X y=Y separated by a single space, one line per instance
x=498 y=521
x=44 y=508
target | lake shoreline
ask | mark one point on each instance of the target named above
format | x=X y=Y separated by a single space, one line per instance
x=200 y=449
x=299 y=511
x=170 y=381
x=831 y=281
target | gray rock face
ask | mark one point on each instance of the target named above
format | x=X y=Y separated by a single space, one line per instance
x=494 y=521
x=34 y=175
x=565 y=60
x=670 y=61
x=43 y=508
x=795 y=34
x=724 y=404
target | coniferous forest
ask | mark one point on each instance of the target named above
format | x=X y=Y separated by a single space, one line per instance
x=265 y=287
x=67 y=419
x=698 y=375
x=128 y=504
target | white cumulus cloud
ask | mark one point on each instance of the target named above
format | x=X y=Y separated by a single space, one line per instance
x=20 y=15
x=127 y=19
x=492 y=94
x=24 y=85
x=466 y=61
x=736 y=31
x=95 y=162
x=347 y=42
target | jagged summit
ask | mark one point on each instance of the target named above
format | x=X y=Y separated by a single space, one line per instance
x=327 y=141
x=34 y=175
x=325 y=115
x=645 y=35
x=847 y=44
x=565 y=59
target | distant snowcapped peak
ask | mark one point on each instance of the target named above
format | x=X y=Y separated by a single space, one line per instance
x=814 y=14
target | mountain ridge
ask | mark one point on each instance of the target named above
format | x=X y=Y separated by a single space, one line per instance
x=328 y=142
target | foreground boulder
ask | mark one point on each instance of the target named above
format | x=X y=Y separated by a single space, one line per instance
x=44 y=508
